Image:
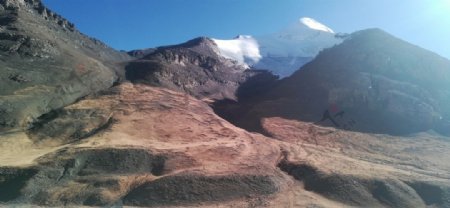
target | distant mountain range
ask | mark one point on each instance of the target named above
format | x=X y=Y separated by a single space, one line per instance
x=281 y=53
x=383 y=84
x=195 y=67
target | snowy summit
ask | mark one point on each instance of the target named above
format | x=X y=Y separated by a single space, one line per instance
x=282 y=52
x=315 y=25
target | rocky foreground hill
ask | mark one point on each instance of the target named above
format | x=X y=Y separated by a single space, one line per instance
x=46 y=63
x=71 y=137
x=145 y=146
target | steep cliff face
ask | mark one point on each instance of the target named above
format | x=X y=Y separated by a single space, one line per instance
x=194 y=67
x=46 y=63
x=383 y=85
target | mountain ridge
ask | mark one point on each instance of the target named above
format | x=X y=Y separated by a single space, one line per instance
x=194 y=67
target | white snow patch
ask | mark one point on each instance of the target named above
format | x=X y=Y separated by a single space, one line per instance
x=244 y=49
x=315 y=25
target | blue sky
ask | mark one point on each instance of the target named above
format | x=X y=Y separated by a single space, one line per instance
x=132 y=24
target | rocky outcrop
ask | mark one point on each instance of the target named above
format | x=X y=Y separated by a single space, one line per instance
x=191 y=189
x=37 y=6
x=46 y=63
x=140 y=53
x=193 y=67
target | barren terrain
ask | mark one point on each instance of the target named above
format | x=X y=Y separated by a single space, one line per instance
x=144 y=146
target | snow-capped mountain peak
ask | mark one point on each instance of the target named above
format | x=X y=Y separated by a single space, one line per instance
x=315 y=25
x=282 y=52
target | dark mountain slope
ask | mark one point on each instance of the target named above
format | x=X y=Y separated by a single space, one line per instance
x=194 y=67
x=383 y=85
x=45 y=63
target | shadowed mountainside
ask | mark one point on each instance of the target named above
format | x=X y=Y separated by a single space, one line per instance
x=383 y=85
